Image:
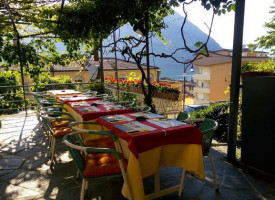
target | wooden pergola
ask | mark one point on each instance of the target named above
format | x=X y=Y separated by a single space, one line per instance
x=235 y=74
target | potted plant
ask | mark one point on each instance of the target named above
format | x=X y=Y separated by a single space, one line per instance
x=258 y=69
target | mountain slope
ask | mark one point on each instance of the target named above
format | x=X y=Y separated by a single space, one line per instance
x=172 y=34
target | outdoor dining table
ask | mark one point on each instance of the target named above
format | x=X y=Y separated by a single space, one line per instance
x=76 y=98
x=91 y=110
x=152 y=143
x=57 y=93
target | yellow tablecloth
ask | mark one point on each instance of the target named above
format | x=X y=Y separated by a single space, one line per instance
x=188 y=156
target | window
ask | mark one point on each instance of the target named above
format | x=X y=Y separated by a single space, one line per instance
x=152 y=77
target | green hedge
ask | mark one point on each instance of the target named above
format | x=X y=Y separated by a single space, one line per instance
x=10 y=78
x=96 y=86
x=218 y=112
x=40 y=83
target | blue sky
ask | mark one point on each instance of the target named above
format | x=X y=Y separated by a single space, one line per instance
x=256 y=14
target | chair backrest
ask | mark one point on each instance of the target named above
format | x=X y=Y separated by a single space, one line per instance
x=146 y=109
x=76 y=154
x=93 y=93
x=129 y=104
x=79 y=160
x=48 y=117
x=207 y=128
x=182 y=116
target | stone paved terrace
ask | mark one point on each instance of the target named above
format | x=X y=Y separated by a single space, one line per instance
x=25 y=172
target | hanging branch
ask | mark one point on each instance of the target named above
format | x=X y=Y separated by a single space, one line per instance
x=129 y=44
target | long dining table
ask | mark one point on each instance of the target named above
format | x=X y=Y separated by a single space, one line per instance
x=91 y=110
x=154 y=141
x=64 y=92
x=76 y=98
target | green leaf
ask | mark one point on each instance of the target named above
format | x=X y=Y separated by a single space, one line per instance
x=198 y=44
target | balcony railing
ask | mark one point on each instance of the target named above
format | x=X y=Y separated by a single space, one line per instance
x=11 y=102
x=204 y=90
x=201 y=101
x=202 y=77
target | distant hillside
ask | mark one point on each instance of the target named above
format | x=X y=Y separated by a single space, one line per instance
x=169 y=67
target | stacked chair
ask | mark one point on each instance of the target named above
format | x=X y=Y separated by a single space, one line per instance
x=98 y=161
x=47 y=103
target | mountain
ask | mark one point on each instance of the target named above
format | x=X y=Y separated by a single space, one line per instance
x=172 y=34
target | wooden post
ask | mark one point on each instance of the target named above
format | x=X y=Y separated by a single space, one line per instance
x=101 y=68
x=116 y=72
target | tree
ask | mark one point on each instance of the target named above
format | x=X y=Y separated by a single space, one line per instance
x=25 y=40
x=86 y=23
x=267 y=41
x=145 y=15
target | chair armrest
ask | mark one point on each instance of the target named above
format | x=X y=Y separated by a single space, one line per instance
x=195 y=120
x=74 y=124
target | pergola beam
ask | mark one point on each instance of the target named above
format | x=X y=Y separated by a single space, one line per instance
x=235 y=80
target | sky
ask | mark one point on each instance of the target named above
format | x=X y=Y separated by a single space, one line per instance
x=256 y=14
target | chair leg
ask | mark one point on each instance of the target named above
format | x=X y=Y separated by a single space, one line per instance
x=181 y=183
x=83 y=188
x=50 y=145
x=52 y=149
x=130 y=197
x=213 y=172
x=86 y=186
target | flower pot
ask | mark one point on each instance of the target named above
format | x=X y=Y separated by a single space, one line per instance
x=175 y=96
x=166 y=95
x=139 y=90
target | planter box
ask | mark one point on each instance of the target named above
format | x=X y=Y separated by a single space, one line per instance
x=258 y=128
x=249 y=74
x=155 y=93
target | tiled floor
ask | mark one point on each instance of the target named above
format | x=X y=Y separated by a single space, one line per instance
x=25 y=172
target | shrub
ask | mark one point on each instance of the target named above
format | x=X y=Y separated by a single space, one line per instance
x=218 y=112
x=40 y=83
x=10 y=78
x=258 y=67
x=96 y=86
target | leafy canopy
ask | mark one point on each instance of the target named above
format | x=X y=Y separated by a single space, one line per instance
x=267 y=41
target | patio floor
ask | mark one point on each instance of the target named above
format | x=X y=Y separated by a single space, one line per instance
x=25 y=172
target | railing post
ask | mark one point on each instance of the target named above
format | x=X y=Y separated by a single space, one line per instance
x=22 y=75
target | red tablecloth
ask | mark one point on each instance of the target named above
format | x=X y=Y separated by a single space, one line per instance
x=76 y=98
x=91 y=115
x=144 y=141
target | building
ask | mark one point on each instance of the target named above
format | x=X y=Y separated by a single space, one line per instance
x=81 y=74
x=213 y=74
x=189 y=85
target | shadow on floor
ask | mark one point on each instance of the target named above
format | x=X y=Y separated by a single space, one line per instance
x=25 y=172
